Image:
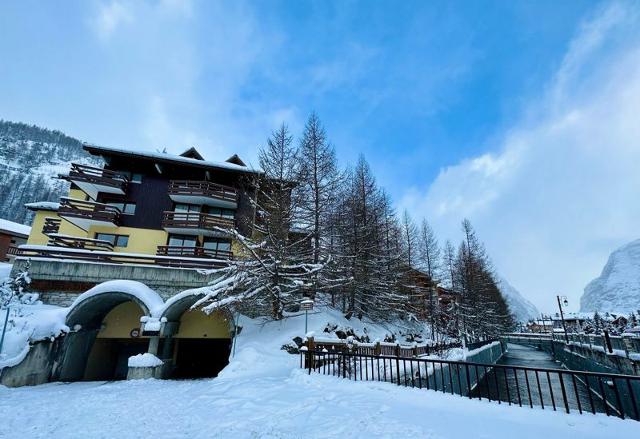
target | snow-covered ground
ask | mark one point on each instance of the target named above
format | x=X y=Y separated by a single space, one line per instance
x=263 y=393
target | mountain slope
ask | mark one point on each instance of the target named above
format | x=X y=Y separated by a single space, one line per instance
x=521 y=308
x=618 y=286
x=30 y=159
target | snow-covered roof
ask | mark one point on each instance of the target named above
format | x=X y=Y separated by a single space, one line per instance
x=170 y=158
x=43 y=205
x=14 y=228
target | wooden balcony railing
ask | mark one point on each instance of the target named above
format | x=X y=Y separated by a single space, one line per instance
x=203 y=189
x=51 y=225
x=108 y=257
x=57 y=240
x=96 y=176
x=195 y=220
x=89 y=210
x=193 y=252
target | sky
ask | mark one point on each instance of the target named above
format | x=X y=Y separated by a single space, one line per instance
x=521 y=116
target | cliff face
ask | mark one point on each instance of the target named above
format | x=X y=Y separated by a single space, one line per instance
x=521 y=308
x=618 y=286
x=30 y=160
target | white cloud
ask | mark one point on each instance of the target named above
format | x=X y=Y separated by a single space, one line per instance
x=561 y=190
x=110 y=16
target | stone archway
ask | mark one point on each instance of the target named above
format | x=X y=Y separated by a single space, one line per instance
x=198 y=345
x=105 y=331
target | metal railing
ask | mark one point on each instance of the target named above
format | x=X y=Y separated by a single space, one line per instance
x=202 y=188
x=559 y=389
x=612 y=344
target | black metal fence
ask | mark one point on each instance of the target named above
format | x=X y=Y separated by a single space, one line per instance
x=557 y=389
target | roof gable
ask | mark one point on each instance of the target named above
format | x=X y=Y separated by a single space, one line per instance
x=192 y=153
x=235 y=160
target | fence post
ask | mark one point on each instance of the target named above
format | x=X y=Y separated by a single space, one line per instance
x=311 y=346
x=607 y=340
x=377 y=349
x=415 y=350
x=398 y=362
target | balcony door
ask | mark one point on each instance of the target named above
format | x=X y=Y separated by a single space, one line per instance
x=182 y=241
x=190 y=208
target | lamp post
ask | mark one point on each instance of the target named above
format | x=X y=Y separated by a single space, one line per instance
x=564 y=302
x=306 y=305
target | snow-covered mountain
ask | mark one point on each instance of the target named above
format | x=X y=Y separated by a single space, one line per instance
x=30 y=160
x=521 y=308
x=618 y=287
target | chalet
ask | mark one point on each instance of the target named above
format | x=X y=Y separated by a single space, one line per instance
x=155 y=222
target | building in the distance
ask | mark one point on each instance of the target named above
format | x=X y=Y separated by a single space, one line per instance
x=12 y=235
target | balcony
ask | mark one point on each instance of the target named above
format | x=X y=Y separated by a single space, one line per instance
x=84 y=214
x=193 y=252
x=196 y=223
x=203 y=192
x=59 y=240
x=51 y=225
x=93 y=180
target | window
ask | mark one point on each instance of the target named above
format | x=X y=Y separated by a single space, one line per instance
x=226 y=213
x=134 y=177
x=115 y=240
x=180 y=207
x=217 y=244
x=182 y=241
x=124 y=207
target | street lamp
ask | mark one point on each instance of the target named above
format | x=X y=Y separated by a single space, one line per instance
x=306 y=305
x=562 y=300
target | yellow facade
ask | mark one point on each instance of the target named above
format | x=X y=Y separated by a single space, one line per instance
x=36 y=237
x=145 y=241
x=121 y=320
x=197 y=324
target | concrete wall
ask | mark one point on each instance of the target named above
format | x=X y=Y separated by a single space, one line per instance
x=60 y=282
x=34 y=369
x=578 y=357
x=455 y=376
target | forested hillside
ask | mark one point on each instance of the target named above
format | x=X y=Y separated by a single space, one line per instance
x=30 y=160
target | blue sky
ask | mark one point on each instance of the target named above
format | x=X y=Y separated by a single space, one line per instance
x=430 y=92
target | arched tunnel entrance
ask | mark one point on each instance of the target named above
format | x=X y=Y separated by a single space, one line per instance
x=105 y=333
x=200 y=344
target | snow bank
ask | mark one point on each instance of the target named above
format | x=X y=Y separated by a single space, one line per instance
x=144 y=360
x=29 y=323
